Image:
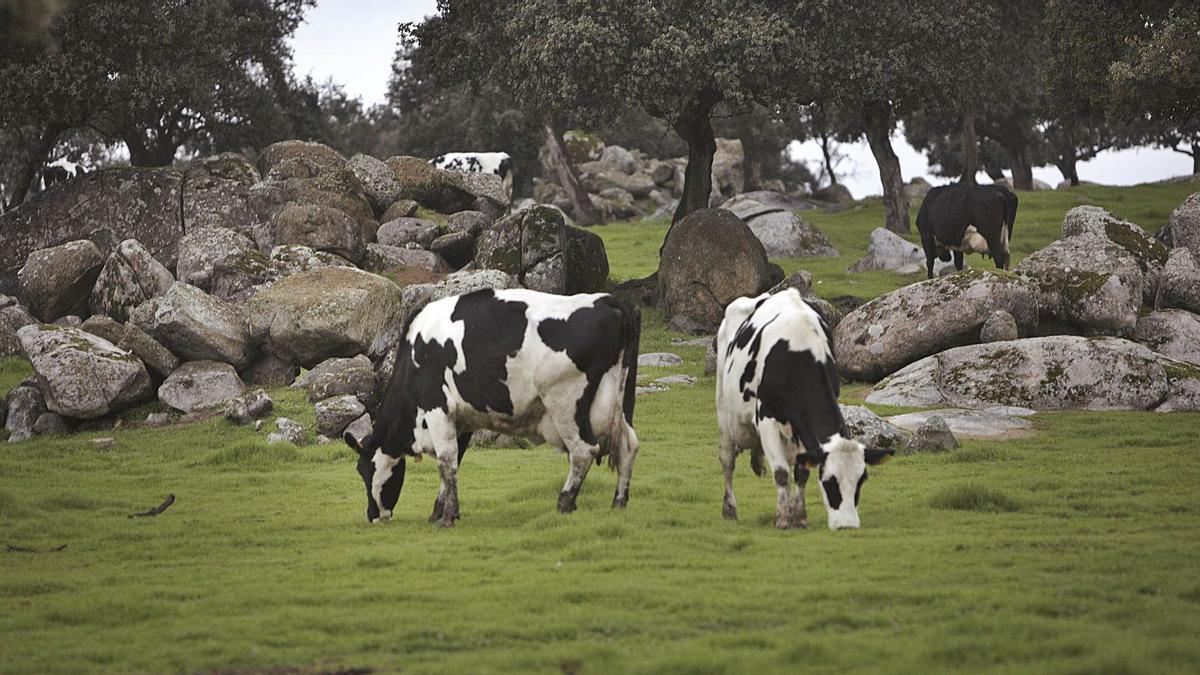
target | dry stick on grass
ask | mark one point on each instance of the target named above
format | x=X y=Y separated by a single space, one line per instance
x=9 y=548
x=156 y=510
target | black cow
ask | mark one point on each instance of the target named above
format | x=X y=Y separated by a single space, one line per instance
x=962 y=219
x=553 y=368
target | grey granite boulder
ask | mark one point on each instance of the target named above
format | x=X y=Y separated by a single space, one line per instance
x=1062 y=372
x=25 y=404
x=1185 y=225
x=197 y=326
x=932 y=435
x=57 y=281
x=287 y=431
x=1171 y=332
x=321 y=228
x=332 y=311
x=341 y=377
x=417 y=296
x=994 y=422
x=382 y=258
x=404 y=231
x=336 y=413
x=199 y=385
x=202 y=248
x=249 y=406
x=13 y=316
x=81 y=375
x=785 y=234
x=998 y=327
x=912 y=322
x=543 y=253
x=1149 y=253
x=130 y=276
x=377 y=181
x=1086 y=284
x=889 y=251
x=216 y=191
x=136 y=341
x=1179 y=285
x=872 y=430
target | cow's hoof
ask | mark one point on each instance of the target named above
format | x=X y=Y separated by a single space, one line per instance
x=566 y=502
x=620 y=501
x=800 y=521
x=446 y=522
x=437 y=512
x=729 y=511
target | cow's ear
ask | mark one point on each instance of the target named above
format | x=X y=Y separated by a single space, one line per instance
x=809 y=460
x=874 y=456
x=352 y=442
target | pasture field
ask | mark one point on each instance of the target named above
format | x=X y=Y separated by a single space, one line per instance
x=1070 y=551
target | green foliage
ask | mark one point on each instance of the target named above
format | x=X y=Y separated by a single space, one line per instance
x=973 y=497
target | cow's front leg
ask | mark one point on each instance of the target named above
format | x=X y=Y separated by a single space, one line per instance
x=625 y=460
x=781 y=470
x=799 y=510
x=728 y=461
x=448 y=469
x=439 y=504
x=581 y=461
x=958 y=260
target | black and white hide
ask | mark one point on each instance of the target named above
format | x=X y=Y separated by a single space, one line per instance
x=59 y=171
x=777 y=389
x=553 y=368
x=958 y=219
x=498 y=163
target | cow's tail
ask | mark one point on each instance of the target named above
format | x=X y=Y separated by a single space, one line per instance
x=622 y=441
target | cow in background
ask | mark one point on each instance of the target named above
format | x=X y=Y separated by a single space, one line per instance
x=958 y=219
x=498 y=163
x=777 y=390
x=59 y=171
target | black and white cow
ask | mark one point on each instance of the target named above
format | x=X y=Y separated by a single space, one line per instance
x=59 y=171
x=553 y=368
x=777 y=389
x=498 y=163
x=962 y=219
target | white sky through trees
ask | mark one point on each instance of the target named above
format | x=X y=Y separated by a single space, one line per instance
x=352 y=42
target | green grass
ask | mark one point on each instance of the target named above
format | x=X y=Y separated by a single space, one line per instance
x=1067 y=551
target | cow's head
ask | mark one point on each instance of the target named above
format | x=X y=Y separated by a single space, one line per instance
x=842 y=470
x=382 y=474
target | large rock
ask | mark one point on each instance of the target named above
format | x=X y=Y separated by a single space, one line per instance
x=430 y=186
x=341 y=377
x=250 y=406
x=107 y=206
x=872 y=430
x=492 y=193
x=915 y=321
x=240 y=277
x=271 y=371
x=1150 y=254
x=932 y=435
x=622 y=158
x=405 y=231
x=471 y=222
x=25 y=405
x=320 y=156
x=603 y=176
x=382 y=258
x=332 y=311
x=201 y=249
x=416 y=296
x=994 y=422
x=889 y=251
x=1171 y=332
x=749 y=204
x=1184 y=225
x=57 y=281
x=785 y=234
x=13 y=317
x=1183 y=386
x=198 y=385
x=377 y=182
x=216 y=191
x=1062 y=372
x=197 y=326
x=456 y=248
x=130 y=276
x=1179 y=285
x=336 y=188
x=544 y=253
x=134 y=340
x=81 y=375
x=320 y=228
x=710 y=259
x=1086 y=285
x=336 y=413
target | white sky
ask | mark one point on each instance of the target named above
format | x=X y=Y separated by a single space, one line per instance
x=352 y=42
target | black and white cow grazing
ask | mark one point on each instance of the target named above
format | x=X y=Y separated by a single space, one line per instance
x=498 y=163
x=553 y=368
x=962 y=219
x=777 y=389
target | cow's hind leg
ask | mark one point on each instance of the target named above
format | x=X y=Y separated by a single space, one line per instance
x=958 y=260
x=799 y=510
x=626 y=457
x=581 y=461
x=728 y=461
x=439 y=503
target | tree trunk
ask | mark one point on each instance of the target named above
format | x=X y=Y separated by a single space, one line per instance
x=585 y=212
x=828 y=154
x=751 y=154
x=970 y=146
x=159 y=153
x=1196 y=158
x=879 y=137
x=1022 y=172
x=29 y=169
x=694 y=126
x=1067 y=166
